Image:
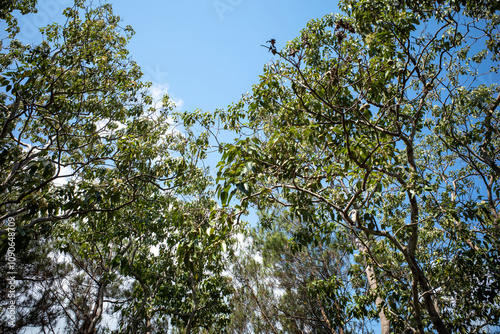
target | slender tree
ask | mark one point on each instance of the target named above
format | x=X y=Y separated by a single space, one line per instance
x=289 y=280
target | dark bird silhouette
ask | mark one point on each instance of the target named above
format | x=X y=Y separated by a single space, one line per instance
x=272 y=47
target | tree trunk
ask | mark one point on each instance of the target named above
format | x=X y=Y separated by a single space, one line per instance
x=429 y=297
x=385 y=325
x=94 y=317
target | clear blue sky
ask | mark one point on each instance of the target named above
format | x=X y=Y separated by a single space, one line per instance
x=208 y=51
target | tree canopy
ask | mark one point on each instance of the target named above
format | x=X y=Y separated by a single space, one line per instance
x=110 y=208
x=369 y=149
x=374 y=127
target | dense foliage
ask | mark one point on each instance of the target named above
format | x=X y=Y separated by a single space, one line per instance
x=376 y=129
x=110 y=210
x=369 y=149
